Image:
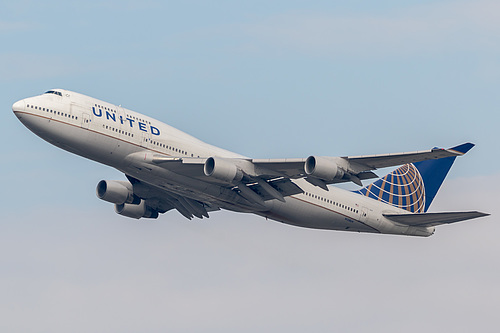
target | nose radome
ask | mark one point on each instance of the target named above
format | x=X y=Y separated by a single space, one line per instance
x=18 y=106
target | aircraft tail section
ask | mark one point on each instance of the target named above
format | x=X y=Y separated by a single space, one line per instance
x=413 y=186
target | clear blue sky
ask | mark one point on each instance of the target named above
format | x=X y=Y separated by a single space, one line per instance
x=265 y=79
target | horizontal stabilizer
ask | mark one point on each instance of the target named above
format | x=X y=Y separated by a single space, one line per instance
x=433 y=219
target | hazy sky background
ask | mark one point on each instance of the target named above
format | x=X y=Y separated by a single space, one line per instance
x=265 y=79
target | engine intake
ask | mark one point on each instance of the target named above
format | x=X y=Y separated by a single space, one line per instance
x=136 y=211
x=117 y=192
x=322 y=168
x=222 y=169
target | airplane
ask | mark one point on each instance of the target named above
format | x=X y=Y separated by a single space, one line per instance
x=167 y=169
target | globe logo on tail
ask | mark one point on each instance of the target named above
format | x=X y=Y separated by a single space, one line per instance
x=403 y=188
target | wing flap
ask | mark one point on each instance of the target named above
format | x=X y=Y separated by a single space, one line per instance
x=433 y=219
x=283 y=185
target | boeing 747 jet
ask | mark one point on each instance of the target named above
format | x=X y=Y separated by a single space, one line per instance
x=167 y=169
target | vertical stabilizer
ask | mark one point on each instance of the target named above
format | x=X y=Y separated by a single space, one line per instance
x=413 y=186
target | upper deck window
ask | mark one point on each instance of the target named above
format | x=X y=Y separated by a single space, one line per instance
x=54 y=92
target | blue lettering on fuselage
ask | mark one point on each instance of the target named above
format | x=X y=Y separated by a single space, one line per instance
x=112 y=117
x=155 y=131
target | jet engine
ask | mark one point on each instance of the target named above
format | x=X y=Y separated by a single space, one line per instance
x=117 y=192
x=222 y=169
x=136 y=211
x=323 y=168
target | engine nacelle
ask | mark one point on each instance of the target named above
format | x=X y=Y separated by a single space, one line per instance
x=116 y=191
x=222 y=169
x=136 y=211
x=322 y=168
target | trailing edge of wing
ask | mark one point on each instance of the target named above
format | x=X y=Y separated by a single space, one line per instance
x=283 y=186
x=433 y=219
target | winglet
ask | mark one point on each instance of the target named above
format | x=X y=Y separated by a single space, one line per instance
x=463 y=148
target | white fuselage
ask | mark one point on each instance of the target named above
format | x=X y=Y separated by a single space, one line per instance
x=126 y=140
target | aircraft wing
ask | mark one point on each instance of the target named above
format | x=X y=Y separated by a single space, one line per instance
x=324 y=170
x=162 y=200
x=386 y=160
x=271 y=178
x=294 y=168
x=433 y=219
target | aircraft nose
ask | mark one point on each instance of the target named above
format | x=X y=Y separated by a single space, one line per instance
x=18 y=106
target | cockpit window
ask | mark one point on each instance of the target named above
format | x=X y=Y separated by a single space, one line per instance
x=54 y=92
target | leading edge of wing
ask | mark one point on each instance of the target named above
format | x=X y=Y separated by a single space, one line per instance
x=433 y=219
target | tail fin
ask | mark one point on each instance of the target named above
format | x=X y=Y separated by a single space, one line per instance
x=413 y=186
